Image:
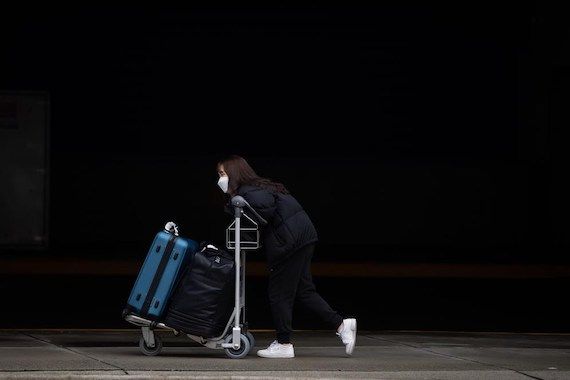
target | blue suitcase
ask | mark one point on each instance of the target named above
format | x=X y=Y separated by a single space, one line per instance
x=167 y=257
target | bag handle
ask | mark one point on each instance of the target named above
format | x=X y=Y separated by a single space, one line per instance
x=171 y=228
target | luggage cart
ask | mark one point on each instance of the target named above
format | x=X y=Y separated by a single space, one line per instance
x=236 y=340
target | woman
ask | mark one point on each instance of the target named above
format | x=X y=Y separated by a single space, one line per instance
x=289 y=241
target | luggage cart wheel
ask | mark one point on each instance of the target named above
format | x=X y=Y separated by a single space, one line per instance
x=151 y=351
x=251 y=339
x=243 y=350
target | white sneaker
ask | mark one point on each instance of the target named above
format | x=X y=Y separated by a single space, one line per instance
x=348 y=334
x=278 y=351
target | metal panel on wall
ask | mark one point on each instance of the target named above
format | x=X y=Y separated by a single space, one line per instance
x=24 y=120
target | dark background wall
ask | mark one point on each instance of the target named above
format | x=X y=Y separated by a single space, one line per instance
x=417 y=133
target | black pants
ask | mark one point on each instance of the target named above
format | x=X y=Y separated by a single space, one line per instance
x=289 y=281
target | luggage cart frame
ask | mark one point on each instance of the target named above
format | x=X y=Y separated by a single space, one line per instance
x=238 y=342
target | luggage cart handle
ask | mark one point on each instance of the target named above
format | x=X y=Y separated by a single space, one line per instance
x=239 y=202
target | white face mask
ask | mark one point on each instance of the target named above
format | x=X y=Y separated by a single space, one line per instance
x=223 y=183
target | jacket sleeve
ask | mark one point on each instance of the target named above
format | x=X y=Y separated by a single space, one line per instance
x=229 y=209
x=263 y=202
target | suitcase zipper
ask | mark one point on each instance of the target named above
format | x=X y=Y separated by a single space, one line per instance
x=158 y=275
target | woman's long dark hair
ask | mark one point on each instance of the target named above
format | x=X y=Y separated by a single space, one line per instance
x=241 y=173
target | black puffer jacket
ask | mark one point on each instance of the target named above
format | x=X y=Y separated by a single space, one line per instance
x=289 y=227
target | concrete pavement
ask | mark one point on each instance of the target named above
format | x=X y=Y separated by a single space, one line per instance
x=114 y=354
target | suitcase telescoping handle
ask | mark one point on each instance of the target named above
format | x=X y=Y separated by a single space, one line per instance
x=239 y=203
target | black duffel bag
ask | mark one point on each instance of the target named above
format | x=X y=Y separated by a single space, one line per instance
x=204 y=299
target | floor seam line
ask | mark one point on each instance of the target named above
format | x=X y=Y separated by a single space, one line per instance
x=453 y=357
x=75 y=352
